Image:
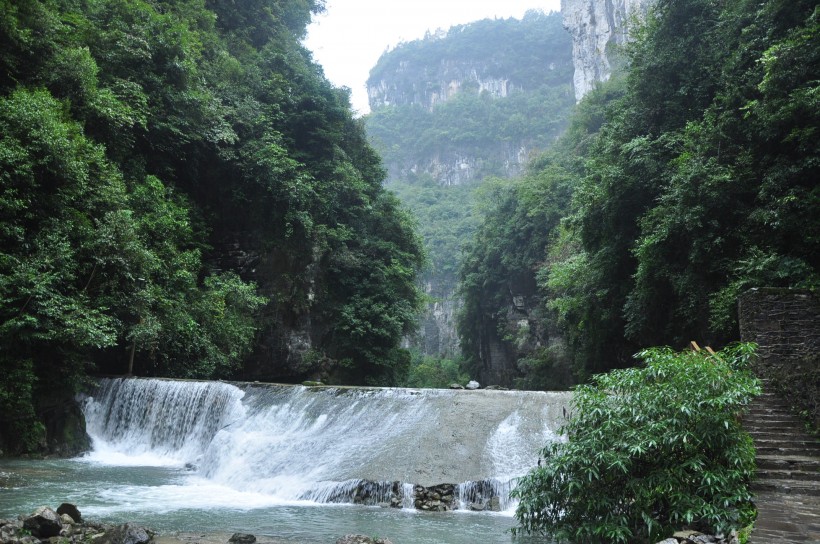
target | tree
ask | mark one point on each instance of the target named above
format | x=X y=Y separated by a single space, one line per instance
x=642 y=460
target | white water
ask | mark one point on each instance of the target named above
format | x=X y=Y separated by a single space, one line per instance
x=257 y=446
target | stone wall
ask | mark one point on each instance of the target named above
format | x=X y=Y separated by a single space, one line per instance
x=785 y=323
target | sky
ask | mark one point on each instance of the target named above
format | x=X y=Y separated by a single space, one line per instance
x=349 y=37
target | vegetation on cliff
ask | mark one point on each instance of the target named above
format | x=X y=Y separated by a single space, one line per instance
x=649 y=450
x=692 y=177
x=137 y=140
x=477 y=93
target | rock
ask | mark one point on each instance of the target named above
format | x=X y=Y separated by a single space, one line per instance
x=361 y=539
x=669 y=541
x=497 y=388
x=70 y=510
x=311 y=383
x=125 y=534
x=456 y=386
x=595 y=28
x=242 y=538
x=43 y=523
x=473 y=385
x=477 y=507
x=494 y=504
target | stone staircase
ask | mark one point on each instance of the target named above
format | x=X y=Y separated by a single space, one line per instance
x=787 y=489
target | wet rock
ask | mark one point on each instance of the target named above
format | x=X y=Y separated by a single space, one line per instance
x=437 y=498
x=125 y=534
x=494 y=504
x=43 y=523
x=497 y=388
x=669 y=541
x=70 y=510
x=472 y=384
x=242 y=538
x=361 y=539
x=456 y=386
x=477 y=507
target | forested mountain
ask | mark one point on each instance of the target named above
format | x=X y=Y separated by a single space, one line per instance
x=475 y=101
x=687 y=179
x=453 y=109
x=183 y=191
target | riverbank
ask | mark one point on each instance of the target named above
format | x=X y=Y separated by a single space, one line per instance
x=67 y=526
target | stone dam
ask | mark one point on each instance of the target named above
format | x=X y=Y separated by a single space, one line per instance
x=407 y=448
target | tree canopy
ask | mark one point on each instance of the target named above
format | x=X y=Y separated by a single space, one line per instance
x=694 y=178
x=139 y=142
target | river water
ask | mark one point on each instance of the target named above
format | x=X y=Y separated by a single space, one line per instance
x=277 y=461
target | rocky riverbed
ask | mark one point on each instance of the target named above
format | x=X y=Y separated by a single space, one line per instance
x=65 y=525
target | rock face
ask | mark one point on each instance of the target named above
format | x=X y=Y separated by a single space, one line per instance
x=450 y=78
x=597 y=28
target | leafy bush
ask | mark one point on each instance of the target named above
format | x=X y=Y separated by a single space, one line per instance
x=434 y=372
x=649 y=450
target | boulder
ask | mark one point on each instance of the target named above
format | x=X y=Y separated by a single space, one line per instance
x=125 y=534
x=43 y=523
x=242 y=538
x=71 y=511
x=473 y=385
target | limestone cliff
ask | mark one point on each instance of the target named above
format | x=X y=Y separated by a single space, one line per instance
x=472 y=102
x=597 y=27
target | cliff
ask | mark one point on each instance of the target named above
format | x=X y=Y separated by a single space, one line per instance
x=473 y=102
x=597 y=28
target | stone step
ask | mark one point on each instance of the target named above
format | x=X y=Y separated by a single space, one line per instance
x=802 y=475
x=774 y=435
x=784 y=449
x=769 y=413
x=787 y=441
x=788 y=487
x=782 y=428
x=796 y=462
x=776 y=416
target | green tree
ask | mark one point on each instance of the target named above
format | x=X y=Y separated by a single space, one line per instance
x=642 y=460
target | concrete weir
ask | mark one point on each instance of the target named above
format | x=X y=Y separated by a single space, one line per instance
x=330 y=444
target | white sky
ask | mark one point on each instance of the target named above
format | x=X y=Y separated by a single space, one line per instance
x=349 y=37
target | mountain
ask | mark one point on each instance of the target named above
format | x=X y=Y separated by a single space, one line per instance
x=455 y=108
x=477 y=100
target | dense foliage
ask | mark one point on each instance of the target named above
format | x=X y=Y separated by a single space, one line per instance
x=649 y=450
x=695 y=178
x=141 y=142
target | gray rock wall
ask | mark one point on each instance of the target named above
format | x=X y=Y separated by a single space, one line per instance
x=785 y=324
x=597 y=28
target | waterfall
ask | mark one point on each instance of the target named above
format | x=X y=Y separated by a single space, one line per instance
x=326 y=444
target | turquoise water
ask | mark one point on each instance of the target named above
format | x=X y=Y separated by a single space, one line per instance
x=171 y=500
x=282 y=462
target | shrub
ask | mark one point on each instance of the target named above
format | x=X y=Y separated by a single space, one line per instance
x=649 y=450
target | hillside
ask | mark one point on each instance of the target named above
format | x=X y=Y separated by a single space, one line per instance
x=689 y=177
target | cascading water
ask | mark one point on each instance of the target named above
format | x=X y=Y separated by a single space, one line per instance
x=327 y=445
